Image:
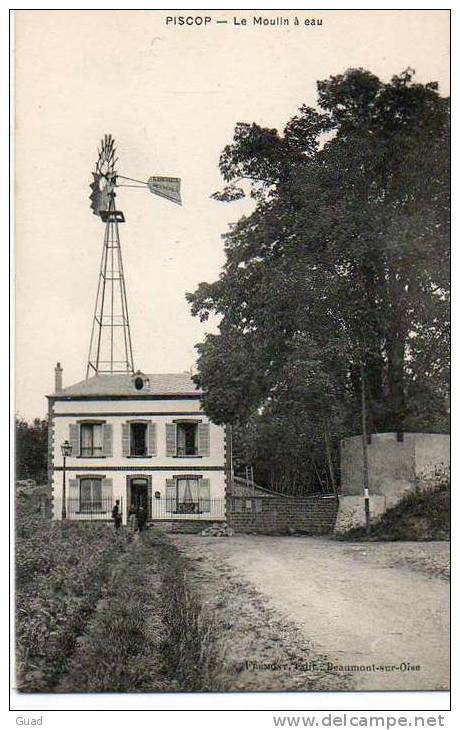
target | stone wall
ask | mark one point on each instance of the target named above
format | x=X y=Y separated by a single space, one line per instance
x=184 y=526
x=313 y=515
x=432 y=458
x=351 y=511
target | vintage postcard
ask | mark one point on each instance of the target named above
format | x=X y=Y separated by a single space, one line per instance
x=232 y=409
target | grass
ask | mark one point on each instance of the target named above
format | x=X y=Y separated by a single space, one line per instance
x=417 y=517
x=192 y=651
x=149 y=633
x=122 y=647
x=60 y=573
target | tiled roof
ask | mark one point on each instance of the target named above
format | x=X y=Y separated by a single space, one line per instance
x=123 y=385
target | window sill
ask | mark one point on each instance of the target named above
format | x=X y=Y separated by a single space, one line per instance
x=134 y=456
x=94 y=456
x=187 y=456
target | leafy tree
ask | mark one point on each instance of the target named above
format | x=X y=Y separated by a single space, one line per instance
x=31 y=449
x=343 y=264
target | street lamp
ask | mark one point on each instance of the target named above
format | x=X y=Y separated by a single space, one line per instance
x=66 y=449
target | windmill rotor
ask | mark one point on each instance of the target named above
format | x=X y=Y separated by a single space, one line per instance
x=106 y=179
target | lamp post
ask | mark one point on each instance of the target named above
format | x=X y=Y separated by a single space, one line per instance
x=66 y=449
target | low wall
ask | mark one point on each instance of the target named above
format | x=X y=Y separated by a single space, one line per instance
x=313 y=515
x=190 y=527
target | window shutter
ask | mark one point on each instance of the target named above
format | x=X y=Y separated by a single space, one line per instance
x=203 y=439
x=125 y=439
x=205 y=495
x=107 y=431
x=73 y=497
x=171 y=448
x=74 y=438
x=152 y=438
x=171 y=505
x=106 y=495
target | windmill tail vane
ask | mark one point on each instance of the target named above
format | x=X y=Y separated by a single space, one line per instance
x=110 y=349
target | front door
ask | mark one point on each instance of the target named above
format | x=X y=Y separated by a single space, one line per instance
x=139 y=494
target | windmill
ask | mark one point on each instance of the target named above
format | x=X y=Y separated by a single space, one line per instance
x=110 y=349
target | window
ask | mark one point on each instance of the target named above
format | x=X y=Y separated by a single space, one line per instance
x=91 y=439
x=138 y=439
x=188 y=495
x=90 y=495
x=187 y=439
x=140 y=381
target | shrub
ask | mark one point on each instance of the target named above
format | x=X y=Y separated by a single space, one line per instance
x=418 y=516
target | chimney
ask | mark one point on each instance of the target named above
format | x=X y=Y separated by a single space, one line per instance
x=58 y=377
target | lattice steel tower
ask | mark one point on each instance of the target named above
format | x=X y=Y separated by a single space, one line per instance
x=110 y=349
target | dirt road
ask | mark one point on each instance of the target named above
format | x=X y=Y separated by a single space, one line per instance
x=360 y=605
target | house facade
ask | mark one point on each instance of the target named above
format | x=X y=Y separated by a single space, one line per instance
x=141 y=439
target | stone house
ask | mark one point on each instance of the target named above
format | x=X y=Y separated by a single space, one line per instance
x=142 y=439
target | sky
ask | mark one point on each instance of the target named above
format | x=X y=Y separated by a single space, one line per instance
x=171 y=96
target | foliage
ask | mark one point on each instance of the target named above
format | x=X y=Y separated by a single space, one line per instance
x=31 y=442
x=191 y=648
x=60 y=572
x=121 y=649
x=343 y=264
x=98 y=613
x=149 y=633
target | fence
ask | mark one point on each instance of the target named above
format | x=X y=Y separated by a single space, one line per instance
x=268 y=513
x=95 y=509
x=202 y=509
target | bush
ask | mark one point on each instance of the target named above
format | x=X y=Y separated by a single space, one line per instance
x=420 y=516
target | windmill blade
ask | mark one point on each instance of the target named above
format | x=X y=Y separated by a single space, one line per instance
x=95 y=194
x=166 y=187
x=99 y=198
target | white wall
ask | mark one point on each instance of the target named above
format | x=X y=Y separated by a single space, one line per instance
x=132 y=409
x=116 y=412
x=119 y=491
x=395 y=467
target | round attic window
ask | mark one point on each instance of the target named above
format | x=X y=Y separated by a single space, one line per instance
x=138 y=383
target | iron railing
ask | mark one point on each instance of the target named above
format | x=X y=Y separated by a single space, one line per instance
x=94 y=509
x=202 y=509
x=162 y=509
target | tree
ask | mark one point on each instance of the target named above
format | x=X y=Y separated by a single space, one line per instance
x=346 y=255
x=31 y=449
